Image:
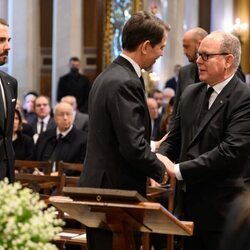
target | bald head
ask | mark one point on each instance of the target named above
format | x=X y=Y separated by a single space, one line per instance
x=70 y=100
x=152 y=108
x=219 y=57
x=191 y=42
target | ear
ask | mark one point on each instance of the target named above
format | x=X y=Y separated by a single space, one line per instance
x=144 y=46
x=198 y=43
x=229 y=60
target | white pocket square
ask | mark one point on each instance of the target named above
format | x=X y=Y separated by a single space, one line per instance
x=13 y=100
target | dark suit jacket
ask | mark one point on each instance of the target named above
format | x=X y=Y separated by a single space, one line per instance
x=212 y=155
x=171 y=83
x=81 y=121
x=76 y=85
x=10 y=90
x=118 y=154
x=51 y=124
x=73 y=146
x=23 y=147
x=189 y=74
x=156 y=131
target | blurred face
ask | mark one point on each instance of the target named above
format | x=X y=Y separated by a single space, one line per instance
x=63 y=116
x=74 y=65
x=70 y=100
x=168 y=93
x=159 y=98
x=4 y=43
x=151 y=54
x=42 y=107
x=152 y=108
x=29 y=103
x=212 y=70
x=16 y=123
x=190 y=46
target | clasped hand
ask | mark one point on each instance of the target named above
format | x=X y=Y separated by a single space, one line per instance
x=168 y=164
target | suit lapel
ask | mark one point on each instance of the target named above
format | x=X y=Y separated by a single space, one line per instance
x=216 y=106
x=8 y=100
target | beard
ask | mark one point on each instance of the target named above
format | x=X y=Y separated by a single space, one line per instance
x=3 y=61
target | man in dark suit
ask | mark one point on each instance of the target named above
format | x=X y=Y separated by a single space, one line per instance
x=75 y=84
x=118 y=154
x=63 y=143
x=172 y=82
x=43 y=120
x=188 y=74
x=8 y=96
x=212 y=142
x=155 y=119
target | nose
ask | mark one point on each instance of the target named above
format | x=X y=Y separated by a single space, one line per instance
x=199 y=59
x=7 y=45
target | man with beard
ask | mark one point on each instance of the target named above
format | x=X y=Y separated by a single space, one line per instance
x=118 y=153
x=8 y=95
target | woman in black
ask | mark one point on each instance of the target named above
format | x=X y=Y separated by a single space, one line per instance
x=23 y=145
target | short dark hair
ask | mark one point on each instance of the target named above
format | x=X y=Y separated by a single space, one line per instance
x=19 y=119
x=34 y=93
x=3 y=22
x=74 y=58
x=142 y=26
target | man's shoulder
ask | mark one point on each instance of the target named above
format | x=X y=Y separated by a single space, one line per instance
x=80 y=115
x=191 y=67
x=9 y=77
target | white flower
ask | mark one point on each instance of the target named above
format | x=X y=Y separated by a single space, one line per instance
x=25 y=222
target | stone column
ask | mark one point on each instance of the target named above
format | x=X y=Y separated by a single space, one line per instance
x=221 y=15
x=67 y=37
x=24 y=58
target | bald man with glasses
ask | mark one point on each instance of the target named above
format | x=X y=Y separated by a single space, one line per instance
x=208 y=148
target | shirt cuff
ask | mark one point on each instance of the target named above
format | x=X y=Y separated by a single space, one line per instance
x=178 y=172
x=152 y=145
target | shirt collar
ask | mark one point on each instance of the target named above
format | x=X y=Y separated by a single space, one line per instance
x=45 y=120
x=63 y=133
x=219 y=86
x=134 y=64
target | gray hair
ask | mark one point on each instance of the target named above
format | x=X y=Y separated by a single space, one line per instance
x=231 y=44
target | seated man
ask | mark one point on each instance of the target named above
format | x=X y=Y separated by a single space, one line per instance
x=81 y=120
x=65 y=142
x=43 y=120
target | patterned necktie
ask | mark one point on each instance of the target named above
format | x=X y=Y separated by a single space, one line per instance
x=205 y=105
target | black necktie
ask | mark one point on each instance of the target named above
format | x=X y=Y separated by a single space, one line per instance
x=2 y=113
x=57 y=148
x=205 y=105
x=142 y=82
x=41 y=126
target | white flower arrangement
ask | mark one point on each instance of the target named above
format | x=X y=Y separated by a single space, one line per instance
x=25 y=221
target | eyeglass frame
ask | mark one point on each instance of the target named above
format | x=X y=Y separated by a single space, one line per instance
x=209 y=54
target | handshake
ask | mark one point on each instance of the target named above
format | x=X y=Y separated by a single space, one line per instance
x=169 y=165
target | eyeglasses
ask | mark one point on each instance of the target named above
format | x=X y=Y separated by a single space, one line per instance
x=205 y=56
